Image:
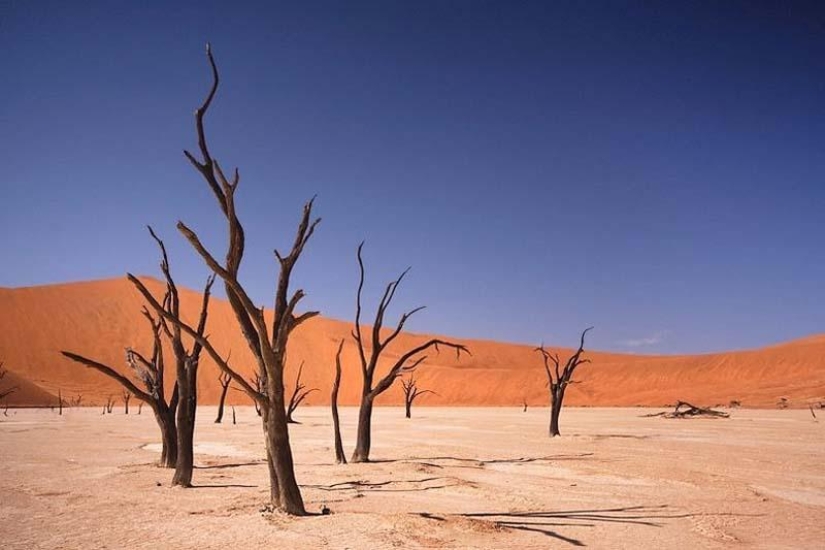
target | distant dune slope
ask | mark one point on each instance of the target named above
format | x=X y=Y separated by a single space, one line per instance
x=100 y=318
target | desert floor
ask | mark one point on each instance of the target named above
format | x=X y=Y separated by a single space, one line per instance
x=448 y=478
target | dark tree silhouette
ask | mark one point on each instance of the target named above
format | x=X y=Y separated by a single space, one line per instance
x=406 y=361
x=150 y=373
x=186 y=362
x=411 y=391
x=110 y=404
x=60 y=402
x=340 y=458
x=126 y=397
x=268 y=348
x=299 y=393
x=558 y=383
x=224 y=380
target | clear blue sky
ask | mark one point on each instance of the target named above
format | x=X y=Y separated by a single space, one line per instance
x=654 y=169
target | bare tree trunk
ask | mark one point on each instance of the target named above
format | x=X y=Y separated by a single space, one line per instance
x=340 y=457
x=224 y=380
x=126 y=397
x=140 y=407
x=363 y=439
x=60 y=402
x=555 y=411
x=233 y=416
x=277 y=433
x=187 y=410
x=169 y=438
x=407 y=409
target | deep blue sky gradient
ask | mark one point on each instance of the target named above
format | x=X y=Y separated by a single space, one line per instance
x=654 y=169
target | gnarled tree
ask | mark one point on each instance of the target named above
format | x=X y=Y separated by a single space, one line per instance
x=411 y=391
x=224 y=380
x=370 y=352
x=186 y=363
x=558 y=380
x=150 y=372
x=299 y=393
x=268 y=344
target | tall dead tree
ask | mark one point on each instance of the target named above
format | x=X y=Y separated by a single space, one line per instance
x=268 y=348
x=150 y=373
x=411 y=391
x=557 y=383
x=224 y=380
x=10 y=390
x=299 y=393
x=370 y=352
x=186 y=363
x=340 y=458
x=126 y=397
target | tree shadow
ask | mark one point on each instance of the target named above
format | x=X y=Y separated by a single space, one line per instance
x=384 y=486
x=230 y=465
x=224 y=486
x=481 y=463
x=543 y=522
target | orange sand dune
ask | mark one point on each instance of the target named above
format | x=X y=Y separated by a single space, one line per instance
x=100 y=318
x=27 y=394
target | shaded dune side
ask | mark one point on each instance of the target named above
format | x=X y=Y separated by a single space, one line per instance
x=99 y=319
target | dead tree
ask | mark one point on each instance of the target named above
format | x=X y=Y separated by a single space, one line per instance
x=298 y=395
x=60 y=402
x=126 y=397
x=340 y=458
x=411 y=391
x=140 y=407
x=150 y=373
x=110 y=404
x=268 y=348
x=261 y=387
x=8 y=391
x=76 y=401
x=406 y=361
x=558 y=384
x=224 y=380
x=186 y=363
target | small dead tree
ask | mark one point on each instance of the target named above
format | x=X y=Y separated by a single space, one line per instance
x=150 y=373
x=234 y=421
x=76 y=401
x=224 y=380
x=340 y=458
x=411 y=391
x=60 y=402
x=299 y=393
x=406 y=361
x=557 y=384
x=268 y=347
x=261 y=387
x=8 y=391
x=140 y=407
x=126 y=397
x=110 y=404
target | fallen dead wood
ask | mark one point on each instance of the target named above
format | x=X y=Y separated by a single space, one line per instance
x=686 y=410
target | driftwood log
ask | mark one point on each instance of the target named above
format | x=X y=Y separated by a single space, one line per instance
x=686 y=410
